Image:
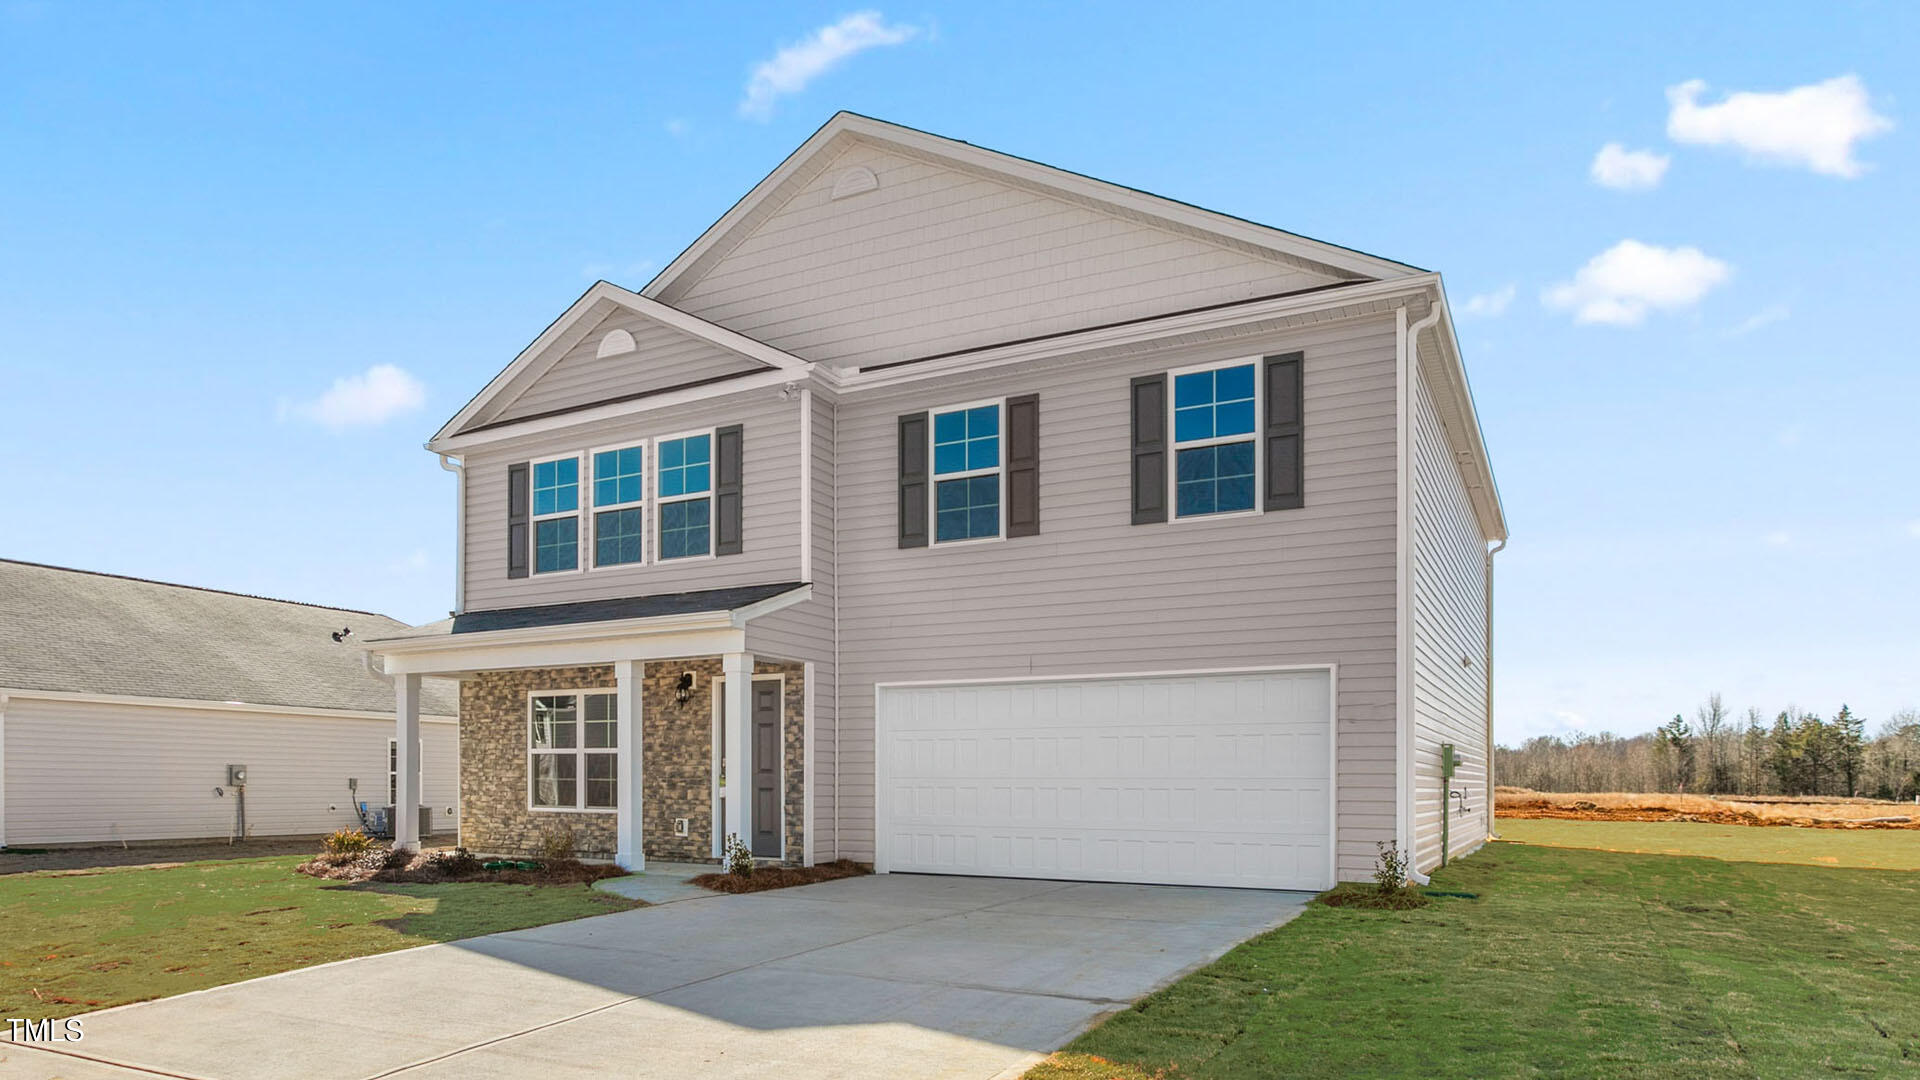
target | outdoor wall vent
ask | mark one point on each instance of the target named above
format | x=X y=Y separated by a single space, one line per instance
x=855 y=181
x=615 y=343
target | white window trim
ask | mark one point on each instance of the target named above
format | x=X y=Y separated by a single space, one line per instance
x=591 y=501
x=999 y=469
x=582 y=526
x=580 y=751
x=1174 y=446
x=393 y=777
x=659 y=500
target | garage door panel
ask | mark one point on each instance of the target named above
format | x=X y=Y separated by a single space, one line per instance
x=1190 y=780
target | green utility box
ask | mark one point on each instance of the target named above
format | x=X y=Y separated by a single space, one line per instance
x=1449 y=761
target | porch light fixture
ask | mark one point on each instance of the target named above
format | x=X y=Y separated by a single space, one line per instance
x=683 y=689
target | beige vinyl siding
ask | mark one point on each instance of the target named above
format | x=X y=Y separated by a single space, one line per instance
x=83 y=772
x=1093 y=594
x=770 y=506
x=663 y=358
x=805 y=631
x=1449 y=697
x=938 y=258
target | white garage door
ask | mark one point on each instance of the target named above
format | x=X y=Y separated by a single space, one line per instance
x=1188 y=779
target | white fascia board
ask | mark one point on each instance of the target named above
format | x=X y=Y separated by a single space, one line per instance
x=465 y=656
x=212 y=706
x=1144 y=330
x=1469 y=445
x=582 y=316
x=744 y=615
x=672 y=399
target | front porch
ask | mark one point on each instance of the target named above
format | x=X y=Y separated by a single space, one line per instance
x=620 y=733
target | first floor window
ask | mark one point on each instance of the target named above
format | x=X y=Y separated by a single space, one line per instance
x=1213 y=440
x=966 y=473
x=572 y=759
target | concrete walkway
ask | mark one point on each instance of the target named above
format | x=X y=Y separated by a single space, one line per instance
x=894 y=976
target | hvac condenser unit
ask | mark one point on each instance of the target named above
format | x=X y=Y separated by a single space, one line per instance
x=426 y=819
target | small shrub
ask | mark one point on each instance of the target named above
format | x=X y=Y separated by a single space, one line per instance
x=347 y=842
x=739 y=856
x=1390 y=869
x=556 y=845
x=456 y=863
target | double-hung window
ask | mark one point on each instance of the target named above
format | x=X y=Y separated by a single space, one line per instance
x=572 y=750
x=619 y=511
x=683 y=495
x=556 y=515
x=1214 y=442
x=968 y=462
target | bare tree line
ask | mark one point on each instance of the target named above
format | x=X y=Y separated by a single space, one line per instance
x=1794 y=753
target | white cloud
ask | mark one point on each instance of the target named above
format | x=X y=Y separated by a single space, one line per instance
x=1815 y=126
x=1913 y=528
x=1490 y=304
x=374 y=396
x=793 y=67
x=1621 y=284
x=1622 y=169
x=1765 y=317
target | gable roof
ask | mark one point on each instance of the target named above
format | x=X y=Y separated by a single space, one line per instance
x=845 y=129
x=594 y=306
x=83 y=632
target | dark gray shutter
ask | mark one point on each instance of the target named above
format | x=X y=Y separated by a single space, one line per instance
x=1286 y=489
x=913 y=480
x=517 y=520
x=1149 y=449
x=1023 y=465
x=727 y=445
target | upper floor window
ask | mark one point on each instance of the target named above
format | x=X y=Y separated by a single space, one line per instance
x=556 y=515
x=683 y=477
x=572 y=751
x=1213 y=441
x=619 y=492
x=967 y=467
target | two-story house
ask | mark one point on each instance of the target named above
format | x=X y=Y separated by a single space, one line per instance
x=967 y=515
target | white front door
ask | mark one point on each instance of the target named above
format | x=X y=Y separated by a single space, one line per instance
x=1204 y=779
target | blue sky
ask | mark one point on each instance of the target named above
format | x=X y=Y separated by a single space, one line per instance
x=211 y=213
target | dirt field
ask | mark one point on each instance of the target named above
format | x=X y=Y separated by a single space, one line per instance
x=1805 y=813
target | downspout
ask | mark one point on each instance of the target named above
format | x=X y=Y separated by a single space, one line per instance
x=1487 y=614
x=834 y=500
x=1409 y=360
x=457 y=467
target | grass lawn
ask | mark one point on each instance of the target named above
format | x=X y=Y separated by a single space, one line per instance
x=75 y=941
x=1875 y=849
x=1570 y=963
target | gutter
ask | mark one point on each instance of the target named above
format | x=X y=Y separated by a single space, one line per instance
x=1487 y=664
x=457 y=466
x=1408 y=364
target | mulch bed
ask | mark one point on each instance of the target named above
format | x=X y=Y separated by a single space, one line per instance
x=1369 y=896
x=436 y=867
x=781 y=877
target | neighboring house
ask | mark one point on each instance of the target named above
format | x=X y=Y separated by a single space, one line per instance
x=951 y=511
x=123 y=702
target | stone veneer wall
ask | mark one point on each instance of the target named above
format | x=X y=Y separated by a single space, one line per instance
x=676 y=771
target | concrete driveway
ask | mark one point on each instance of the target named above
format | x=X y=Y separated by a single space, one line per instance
x=891 y=976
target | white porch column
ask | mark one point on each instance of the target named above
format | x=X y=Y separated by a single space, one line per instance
x=406 y=748
x=627 y=674
x=737 y=668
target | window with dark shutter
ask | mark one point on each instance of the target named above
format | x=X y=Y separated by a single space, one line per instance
x=1023 y=465
x=728 y=442
x=517 y=520
x=913 y=480
x=1149 y=449
x=1285 y=478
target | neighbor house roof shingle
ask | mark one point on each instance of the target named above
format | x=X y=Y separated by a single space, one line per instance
x=82 y=632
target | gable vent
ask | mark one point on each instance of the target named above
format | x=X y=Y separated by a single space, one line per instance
x=855 y=181
x=615 y=343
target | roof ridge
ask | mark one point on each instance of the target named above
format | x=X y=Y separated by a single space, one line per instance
x=198 y=588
